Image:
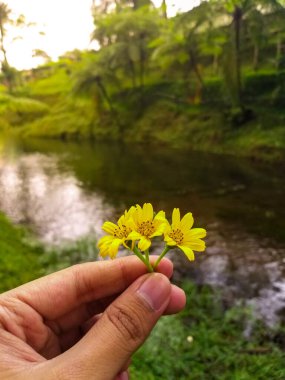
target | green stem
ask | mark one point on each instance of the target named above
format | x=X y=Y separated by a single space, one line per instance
x=142 y=258
x=146 y=252
x=164 y=252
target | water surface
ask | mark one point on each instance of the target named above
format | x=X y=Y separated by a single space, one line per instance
x=64 y=191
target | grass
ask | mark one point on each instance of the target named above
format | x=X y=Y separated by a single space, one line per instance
x=19 y=259
x=165 y=117
x=23 y=259
x=218 y=348
x=15 y=111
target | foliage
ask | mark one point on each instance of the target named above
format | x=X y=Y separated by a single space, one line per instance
x=19 y=260
x=23 y=258
x=188 y=81
x=16 y=111
x=207 y=342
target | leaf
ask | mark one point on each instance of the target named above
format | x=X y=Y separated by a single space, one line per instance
x=134 y=53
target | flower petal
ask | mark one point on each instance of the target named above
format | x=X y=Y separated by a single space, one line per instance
x=188 y=252
x=147 y=211
x=195 y=244
x=160 y=216
x=105 y=240
x=159 y=230
x=187 y=221
x=197 y=233
x=144 y=244
x=114 y=247
x=169 y=240
x=109 y=227
x=175 y=218
x=134 y=236
x=137 y=214
x=131 y=224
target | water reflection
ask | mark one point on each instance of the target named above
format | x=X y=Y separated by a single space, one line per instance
x=65 y=191
x=54 y=205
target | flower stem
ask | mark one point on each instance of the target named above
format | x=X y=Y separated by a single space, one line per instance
x=144 y=259
x=147 y=258
x=164 y=252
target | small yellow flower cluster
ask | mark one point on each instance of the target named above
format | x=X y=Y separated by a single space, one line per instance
x=137 y=226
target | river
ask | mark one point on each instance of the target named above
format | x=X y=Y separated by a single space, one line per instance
x=64 y=191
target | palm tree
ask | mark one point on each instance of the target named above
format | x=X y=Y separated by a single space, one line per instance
x=164 y=8
x=237 y=12
x=4 y=18
x=181 y=43
x=94 y=80
x=125 y=37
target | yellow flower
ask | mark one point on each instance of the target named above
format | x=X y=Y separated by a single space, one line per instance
x=181 y=235
x=146 y=225
x=118 y=234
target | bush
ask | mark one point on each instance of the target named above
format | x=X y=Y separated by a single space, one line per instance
x=17 y=111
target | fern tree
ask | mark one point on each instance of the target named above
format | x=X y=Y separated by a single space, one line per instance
x=236 y=14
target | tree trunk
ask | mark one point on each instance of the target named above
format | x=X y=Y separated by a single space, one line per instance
x=2 y=44
x=164 y=9
x=215 y=63
x=133 y=73
x=255 y=62
x=237 y=21
x=278 y=52
x=195 y=68
x=109 y=102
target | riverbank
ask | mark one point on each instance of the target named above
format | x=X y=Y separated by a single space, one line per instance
x=160 y=113
x=19 y=258
x=198 y=128
x=206 y=341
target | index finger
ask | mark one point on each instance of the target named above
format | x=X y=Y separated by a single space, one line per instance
x=59 y=293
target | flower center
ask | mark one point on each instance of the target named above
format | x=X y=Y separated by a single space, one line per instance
x=146 y=228
x=122 y=232
x=177 y=235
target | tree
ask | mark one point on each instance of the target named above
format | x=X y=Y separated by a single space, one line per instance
x=276 y=34
x=124 y=37
x=4 y=19
x=9 y=73
x=237 y=12
x=257 y=30
x=164 y=8
x=180 y=44
x=93 y=79
x=39 y=53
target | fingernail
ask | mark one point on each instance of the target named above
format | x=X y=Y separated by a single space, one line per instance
x=155 y=290
x=124 y=376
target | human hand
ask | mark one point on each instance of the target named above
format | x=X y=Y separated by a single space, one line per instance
x=84 y=322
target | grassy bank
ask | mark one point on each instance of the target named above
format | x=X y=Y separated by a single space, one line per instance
x=199 y=128
x=159 y=113
x=19 y=259
x=22 y=258
x=204 y=342
x=207 y=342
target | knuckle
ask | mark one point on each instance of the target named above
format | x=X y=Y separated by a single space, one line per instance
x=127 y=321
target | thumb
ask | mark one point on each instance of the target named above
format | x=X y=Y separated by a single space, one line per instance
x=102 y=353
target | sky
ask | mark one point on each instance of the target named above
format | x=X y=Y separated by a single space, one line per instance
x=66 y=24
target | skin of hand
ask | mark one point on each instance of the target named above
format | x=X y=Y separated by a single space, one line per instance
x=84 y=322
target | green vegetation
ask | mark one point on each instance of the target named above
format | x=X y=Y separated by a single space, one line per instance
x=23 y=258
x=208 y=342
x=16 y=111
x=210 y=79
x=220 y=348
x=19 y=259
